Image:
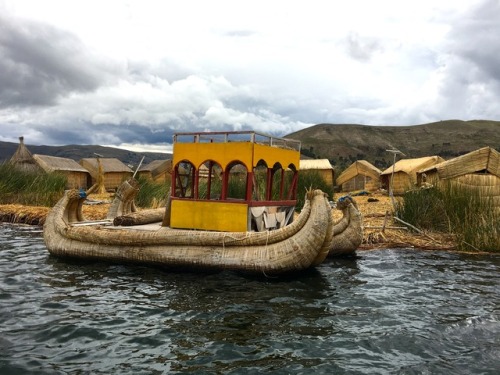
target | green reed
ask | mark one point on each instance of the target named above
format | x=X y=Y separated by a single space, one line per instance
x=311 y=179
x=463 y=212
x=30 y=188
x=152 y=194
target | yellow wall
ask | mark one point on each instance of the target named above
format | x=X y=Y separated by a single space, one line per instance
x=220 y=216
x=272 y=155
x=225 y=153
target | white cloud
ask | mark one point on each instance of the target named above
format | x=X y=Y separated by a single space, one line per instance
x=132 y=72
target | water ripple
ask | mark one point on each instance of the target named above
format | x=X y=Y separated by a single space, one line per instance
x=384 y=312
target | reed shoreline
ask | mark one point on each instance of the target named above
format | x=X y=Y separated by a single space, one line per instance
x=381 y=230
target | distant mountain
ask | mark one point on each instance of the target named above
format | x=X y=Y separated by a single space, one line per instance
x=343 y=144
x=78 y=152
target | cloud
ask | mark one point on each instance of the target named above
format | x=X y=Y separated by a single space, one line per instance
x=39 y=64
x=361 y=48
x=475 y=40
x=140 y=71
x=469 y=75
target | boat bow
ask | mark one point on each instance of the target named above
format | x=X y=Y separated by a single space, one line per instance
x=347 y=231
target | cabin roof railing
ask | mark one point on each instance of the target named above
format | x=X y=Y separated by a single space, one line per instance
x=237 y=136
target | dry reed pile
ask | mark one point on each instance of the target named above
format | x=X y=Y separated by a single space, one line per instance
x=381 y=230
x=17 y=213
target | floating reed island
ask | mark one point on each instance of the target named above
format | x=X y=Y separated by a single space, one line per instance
x=380 y=230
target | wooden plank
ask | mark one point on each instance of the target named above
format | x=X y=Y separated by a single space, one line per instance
x=88 y=223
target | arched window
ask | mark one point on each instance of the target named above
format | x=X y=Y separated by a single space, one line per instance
x=185 y=180
x=290 y=182
x=210 y=180
x=277 y=176
x=237 y=176
x=259 y=192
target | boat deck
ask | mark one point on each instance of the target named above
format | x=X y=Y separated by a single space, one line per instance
x=109 y=225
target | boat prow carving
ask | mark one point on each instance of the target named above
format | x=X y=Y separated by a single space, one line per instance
x=348 y=230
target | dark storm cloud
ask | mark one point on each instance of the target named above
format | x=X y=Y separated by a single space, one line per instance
x=78 y=133
x=475 y=41
x=40 y=63
x=470 y=69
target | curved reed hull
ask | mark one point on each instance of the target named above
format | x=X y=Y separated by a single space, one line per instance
x=300 y=245
x=348 y=231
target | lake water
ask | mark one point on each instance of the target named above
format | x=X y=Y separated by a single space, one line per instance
x=385 y=312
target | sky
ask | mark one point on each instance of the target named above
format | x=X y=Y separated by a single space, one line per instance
x=130 y=73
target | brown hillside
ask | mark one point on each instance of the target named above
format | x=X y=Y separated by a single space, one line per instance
x=78 y=152
x=343 y=144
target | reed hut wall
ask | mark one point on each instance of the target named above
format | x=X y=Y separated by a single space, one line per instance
x=403 y=174
x=159 y=171
x=360 y=175
x=112 y=180
x=483 y=160
x=478 y=170
x=144 y=173
x=76 y=176
x=487 y=185
x=114 y=171
x=162 y=171
x=360 y=182
x=322 y=166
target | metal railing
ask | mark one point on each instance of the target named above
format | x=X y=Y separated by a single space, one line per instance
x=237 y=136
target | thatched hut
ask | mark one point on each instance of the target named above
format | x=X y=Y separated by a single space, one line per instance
x=478 y=170
x=23 y=159
x=402 y=176
x=76 y=176
x=114 y=171
x=144 y=172
x=322 y=166
x=158 y=170
x=360 y=175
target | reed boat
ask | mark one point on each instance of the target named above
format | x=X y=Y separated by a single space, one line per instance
x=231 y=206
x=302 y=244
x=348 y=230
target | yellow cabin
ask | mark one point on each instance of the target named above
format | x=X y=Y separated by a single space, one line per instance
x=233 y=181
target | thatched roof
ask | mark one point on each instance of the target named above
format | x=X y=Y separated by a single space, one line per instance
x=157 y=167
x=359 y=167
x=23 y=159
x=54 y=163
x=483 y=160
x=108 y=165
x=315 y=164
x=413 y=165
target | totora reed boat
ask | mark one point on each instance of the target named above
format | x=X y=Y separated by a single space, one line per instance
x=348 y=230
x=231 y=206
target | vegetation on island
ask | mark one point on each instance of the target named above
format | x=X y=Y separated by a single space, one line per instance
x=152 y=194
x=470 y=217
x=312 y=179
x=34 y=188
x=473 y=220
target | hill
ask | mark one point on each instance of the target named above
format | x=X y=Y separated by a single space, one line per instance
x=78 y=152
x=343 y=144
